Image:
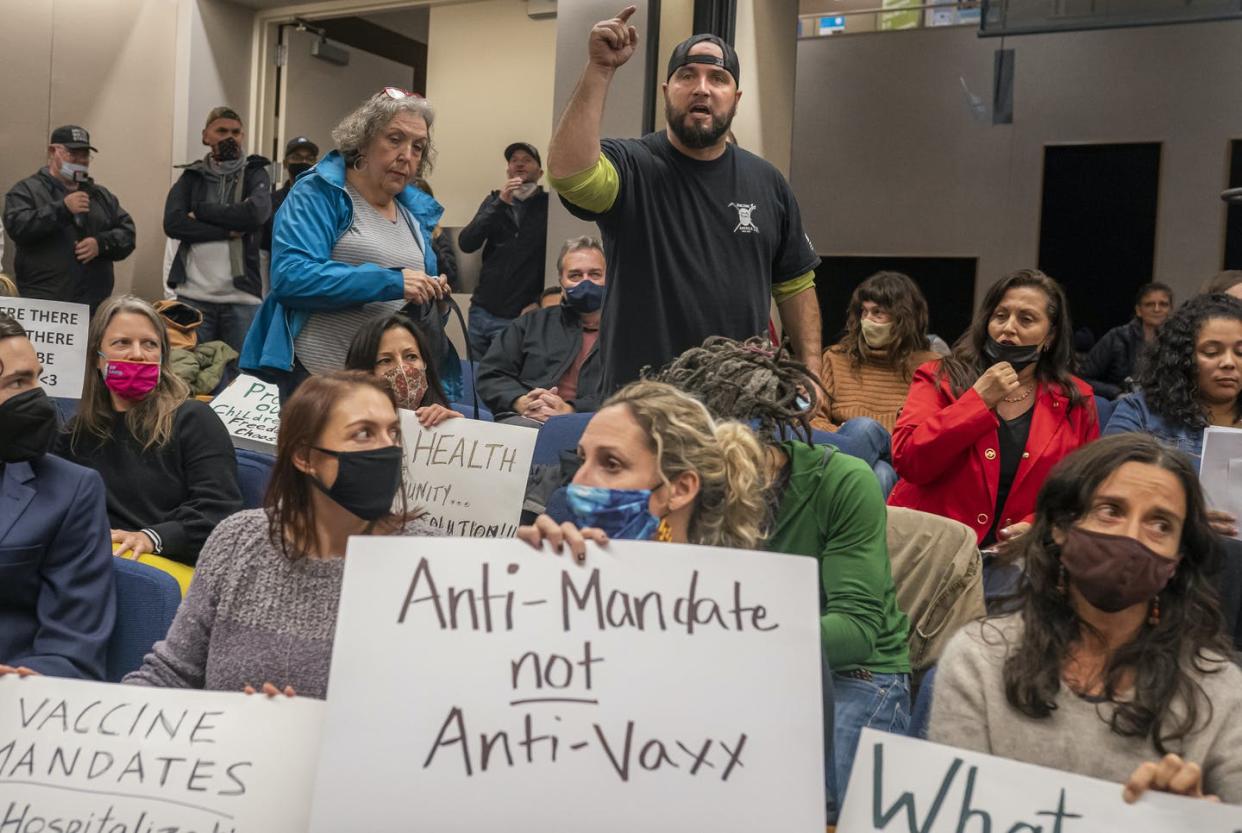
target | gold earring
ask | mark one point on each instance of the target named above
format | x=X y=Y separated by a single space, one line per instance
x=664 y=532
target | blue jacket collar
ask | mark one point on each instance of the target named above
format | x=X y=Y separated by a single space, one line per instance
x=423 y=206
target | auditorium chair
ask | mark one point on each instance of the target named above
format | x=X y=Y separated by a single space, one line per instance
x=254 y=469
x=146 y=602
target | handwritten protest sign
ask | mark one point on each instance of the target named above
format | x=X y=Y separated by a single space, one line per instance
x=657 y=687
x=902 y=785
x=470 y=476
x=84 y=756
x=58 y=332
x=250 y=410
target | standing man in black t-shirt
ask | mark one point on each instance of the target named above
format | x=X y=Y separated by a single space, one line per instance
x=699 y=235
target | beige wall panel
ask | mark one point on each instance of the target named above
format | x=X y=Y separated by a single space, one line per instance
x=490 y=72
x=766 y=39
x=889 y=159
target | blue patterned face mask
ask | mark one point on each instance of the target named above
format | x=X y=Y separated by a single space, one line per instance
x=623 y=514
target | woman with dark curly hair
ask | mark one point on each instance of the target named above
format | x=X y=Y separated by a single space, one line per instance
x=1115 y=665
x=1192 y=379
x=982 y=428
x=866 y=375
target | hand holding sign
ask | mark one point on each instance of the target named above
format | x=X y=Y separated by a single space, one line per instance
x=1171 y=775
x=557 y=535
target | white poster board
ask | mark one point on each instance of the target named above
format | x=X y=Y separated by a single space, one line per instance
x=1220 y=469
x=58 y=332
x=657 y=687
x=85 y=756
x=468 y=475
x=900 y=784
x=250 y=410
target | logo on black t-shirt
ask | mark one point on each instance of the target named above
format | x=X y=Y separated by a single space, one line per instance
x=744 y=219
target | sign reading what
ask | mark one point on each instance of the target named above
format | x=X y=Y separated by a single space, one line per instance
x=250 y=410
x=58 y=332
x=657 y=687
x=468 y=475
x=903 y=785
x=86 y=757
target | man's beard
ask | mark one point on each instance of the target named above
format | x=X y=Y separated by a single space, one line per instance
x=695 y=135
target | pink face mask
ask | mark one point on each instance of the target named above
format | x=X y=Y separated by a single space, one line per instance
x=131 y=380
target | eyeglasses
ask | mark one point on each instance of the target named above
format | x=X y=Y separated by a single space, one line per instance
x=396 y=93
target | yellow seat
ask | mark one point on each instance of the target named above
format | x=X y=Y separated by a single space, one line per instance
x=181 y=572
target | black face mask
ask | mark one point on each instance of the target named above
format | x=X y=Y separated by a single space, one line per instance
x=366 y=481
x=228 y=150
x=27 y=426
x=296 y=169
x=1019 y=356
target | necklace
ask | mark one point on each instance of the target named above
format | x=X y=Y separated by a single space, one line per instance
x=1022 y=397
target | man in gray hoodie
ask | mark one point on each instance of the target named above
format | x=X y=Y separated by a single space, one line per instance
x=217 y=210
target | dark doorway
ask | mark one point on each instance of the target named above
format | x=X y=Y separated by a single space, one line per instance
x=1233 y=221
x=947 y=282
x=1097 y=233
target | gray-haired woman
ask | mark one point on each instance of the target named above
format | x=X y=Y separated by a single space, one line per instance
x=352 y=241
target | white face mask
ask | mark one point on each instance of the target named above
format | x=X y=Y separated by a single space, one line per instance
x=72 y=171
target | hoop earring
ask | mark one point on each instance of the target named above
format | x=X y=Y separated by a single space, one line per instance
x=359 y=163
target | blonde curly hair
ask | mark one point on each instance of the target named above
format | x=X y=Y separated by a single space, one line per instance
x=730 y=510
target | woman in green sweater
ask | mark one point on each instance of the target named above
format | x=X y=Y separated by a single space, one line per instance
x=826 y=504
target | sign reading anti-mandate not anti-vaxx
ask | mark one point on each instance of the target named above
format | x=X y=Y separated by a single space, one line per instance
x=483 y=685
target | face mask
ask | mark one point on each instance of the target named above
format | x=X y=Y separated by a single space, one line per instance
x=27 y=425
x=366 y=481
x=131 y=380
x=228 y=150
x=585 y=296
x=73 y=172
x=1019 y=356
x=1114 y=572
x=876 y=335
x=525 y=190
x=296 y=169
x=621 y=513
x=408 y=384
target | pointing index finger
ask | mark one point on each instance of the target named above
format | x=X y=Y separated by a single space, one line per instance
x=626 y=13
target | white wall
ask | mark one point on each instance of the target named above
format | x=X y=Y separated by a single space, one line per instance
x=490 y=75
x=319 y=94
x=888 y=158
x=765 y=38
x=213 y=69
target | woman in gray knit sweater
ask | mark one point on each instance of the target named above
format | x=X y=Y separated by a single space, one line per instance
x=1116 y=666
x=261 y=610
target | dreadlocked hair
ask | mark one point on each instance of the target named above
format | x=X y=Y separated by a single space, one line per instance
x=750 y=380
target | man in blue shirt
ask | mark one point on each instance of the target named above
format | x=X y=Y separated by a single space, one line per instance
x=57 y=602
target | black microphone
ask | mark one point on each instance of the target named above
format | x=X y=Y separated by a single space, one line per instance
x=87 y=185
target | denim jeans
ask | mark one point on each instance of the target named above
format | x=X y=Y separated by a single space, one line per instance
x=483 y=328
x=224 y=322
x=874 y=445
x=882 y=702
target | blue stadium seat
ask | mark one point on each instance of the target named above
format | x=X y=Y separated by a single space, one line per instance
x=920 y=717
x=559 y=433
x=466 y=409
x=146 y=602
x=254 y=469
x=67 y=408
x=1104 y=407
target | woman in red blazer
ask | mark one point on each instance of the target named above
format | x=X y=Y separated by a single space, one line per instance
x=982 y=427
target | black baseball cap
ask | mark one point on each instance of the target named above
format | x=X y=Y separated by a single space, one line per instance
x=298 y=142
x=526 y=146
x=681 y=56
x=72 y=137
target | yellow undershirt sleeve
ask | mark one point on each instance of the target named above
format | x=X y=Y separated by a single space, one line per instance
x=594 y=189
x=784 y=291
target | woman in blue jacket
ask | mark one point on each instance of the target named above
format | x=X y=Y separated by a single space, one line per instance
x=351 y=242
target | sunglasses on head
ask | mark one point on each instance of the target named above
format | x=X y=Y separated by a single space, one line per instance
x=397 y=93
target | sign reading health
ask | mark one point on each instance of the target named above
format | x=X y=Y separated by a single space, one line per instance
x=657 y=687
